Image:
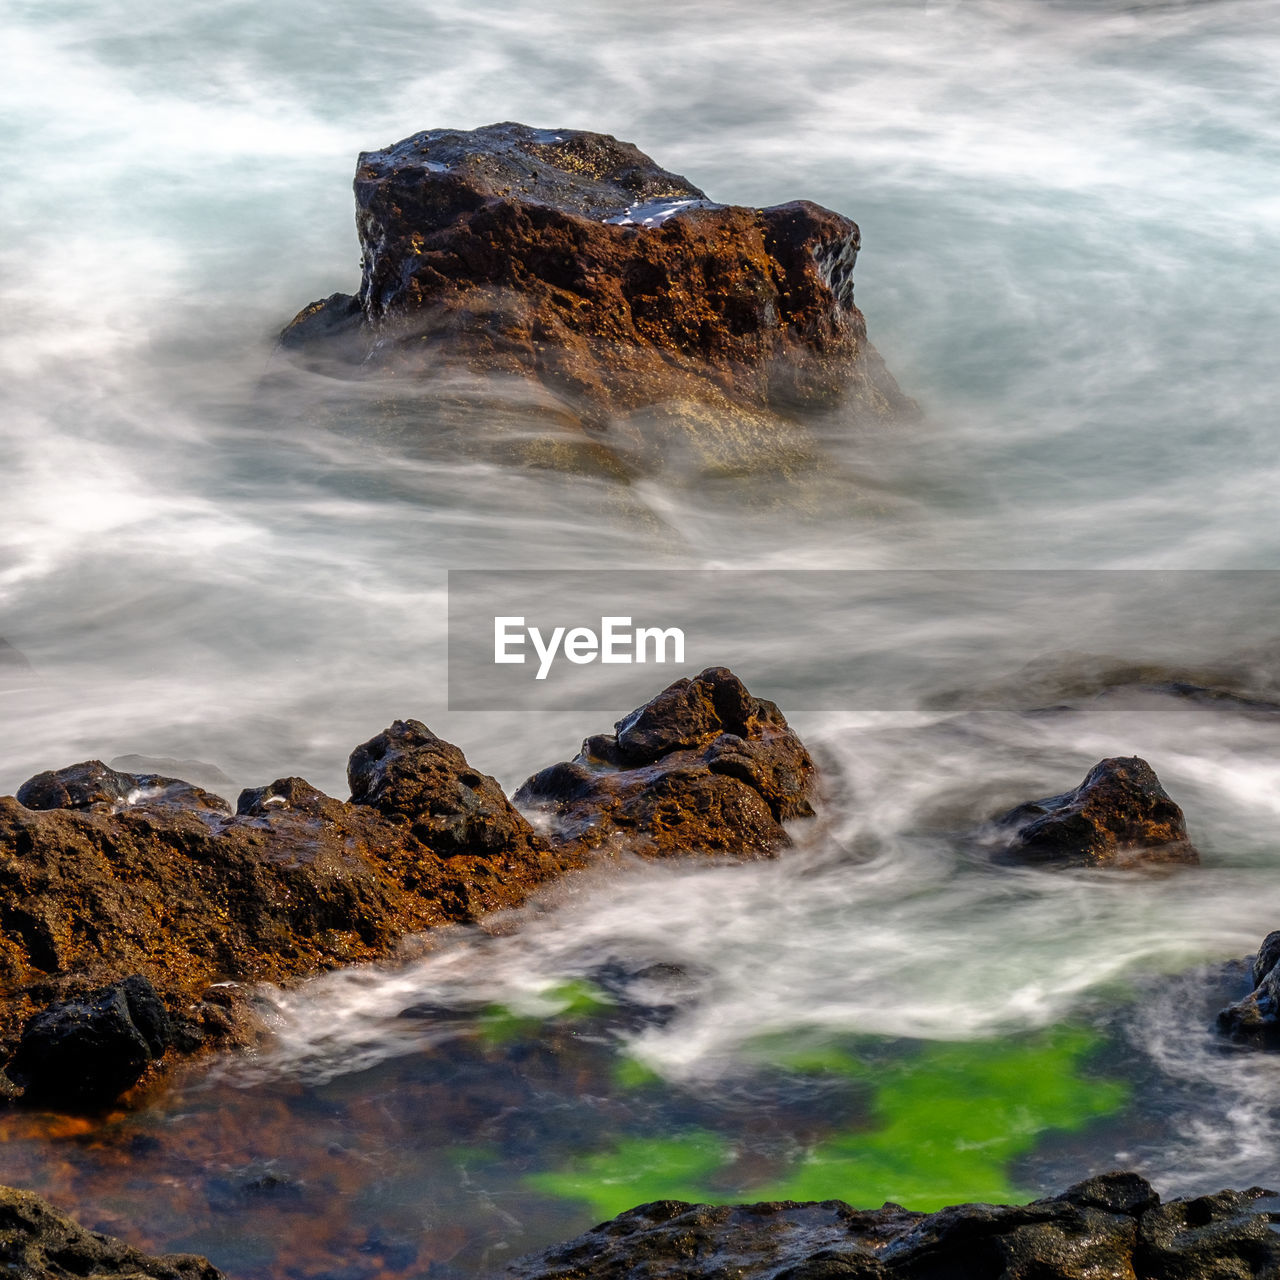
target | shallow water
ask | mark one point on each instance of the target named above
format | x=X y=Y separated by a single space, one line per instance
x=1066 y=211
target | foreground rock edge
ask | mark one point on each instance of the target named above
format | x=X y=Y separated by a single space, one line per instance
x=138 y=913
x=37 y=1242
x=1113 y=1225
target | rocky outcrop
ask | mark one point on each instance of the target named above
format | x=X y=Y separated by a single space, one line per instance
x=1257 y=1016
x=572 y=259
x=1119 y=816
x=39 y=1243
x=1110 y=1226
x=703 y=767
x=137 y=912
x=114 y=882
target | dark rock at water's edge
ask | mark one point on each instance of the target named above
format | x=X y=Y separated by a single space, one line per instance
x=1111 y=1227
x=571 y=258
x=703 y=767
x=87 y=1051
x=1257 y=1016
x=137 y=912
x=1119 y=816
x=39 y=1243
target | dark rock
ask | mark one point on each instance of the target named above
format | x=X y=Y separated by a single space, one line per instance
x=84 y=1053
x=1119 y=816
x=414 y=778
x=92 y=785
x=1257 y=1016
x=572 y=258
x=39 y=1243
x=1110 y=1226
x=95 y=889
x=703 y=767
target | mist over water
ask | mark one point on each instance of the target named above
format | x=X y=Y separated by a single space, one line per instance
x=1068 y=214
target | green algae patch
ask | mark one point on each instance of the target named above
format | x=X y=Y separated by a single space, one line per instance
x=571 y=1001
x=638 y=1170
x=948 y=1122
x=944 y=1124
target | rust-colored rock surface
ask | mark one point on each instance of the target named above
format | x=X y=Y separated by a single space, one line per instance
x=1119 y=816
x=136 y=911
x=702 y=768
x=126 y=878
x=573 y=259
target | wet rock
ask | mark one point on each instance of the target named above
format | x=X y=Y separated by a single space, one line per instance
x=39 y=1243
x=1119 y=816
x=1113 y=1226
x=111 y=881
x=199 y=773
x=704 y=767
x=1257 y=1016
x=98 y=884
x=572 y=259
x=413 y=778
x=85 y=1052
x=93 y=785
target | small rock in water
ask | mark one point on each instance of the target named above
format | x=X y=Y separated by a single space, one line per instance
x=572 y=259
x=702 y=768
x=1257 y=1016
x=1119 y=816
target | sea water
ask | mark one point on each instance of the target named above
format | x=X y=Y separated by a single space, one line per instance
x=1068 y=213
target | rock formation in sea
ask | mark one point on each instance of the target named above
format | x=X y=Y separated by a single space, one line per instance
x=573 y=260
x=1257 y=1016
x=37 y=1242
x=1111 y=1227
x=1119 y=816
x=137 y=911
x=704 y=766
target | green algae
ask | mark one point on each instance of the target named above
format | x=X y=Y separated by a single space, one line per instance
x=637 y=1170
x=572 y=1001
x=944 y=1124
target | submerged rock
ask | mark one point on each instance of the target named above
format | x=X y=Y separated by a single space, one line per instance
x=572 y=259
x=703 y=767
x=137 y=912
x=1257 y=1016
x=39 y=1243
x=1110 y=1226
x=1119 y=816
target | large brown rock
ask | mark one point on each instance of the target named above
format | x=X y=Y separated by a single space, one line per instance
x=137 y=911
x=702 y=768
x=1119 y=816
x=39 y=1243
x=118 y=878
x=573 y=259
x=1112 y=1226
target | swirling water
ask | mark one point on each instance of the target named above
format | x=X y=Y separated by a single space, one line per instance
x=1067 y=212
